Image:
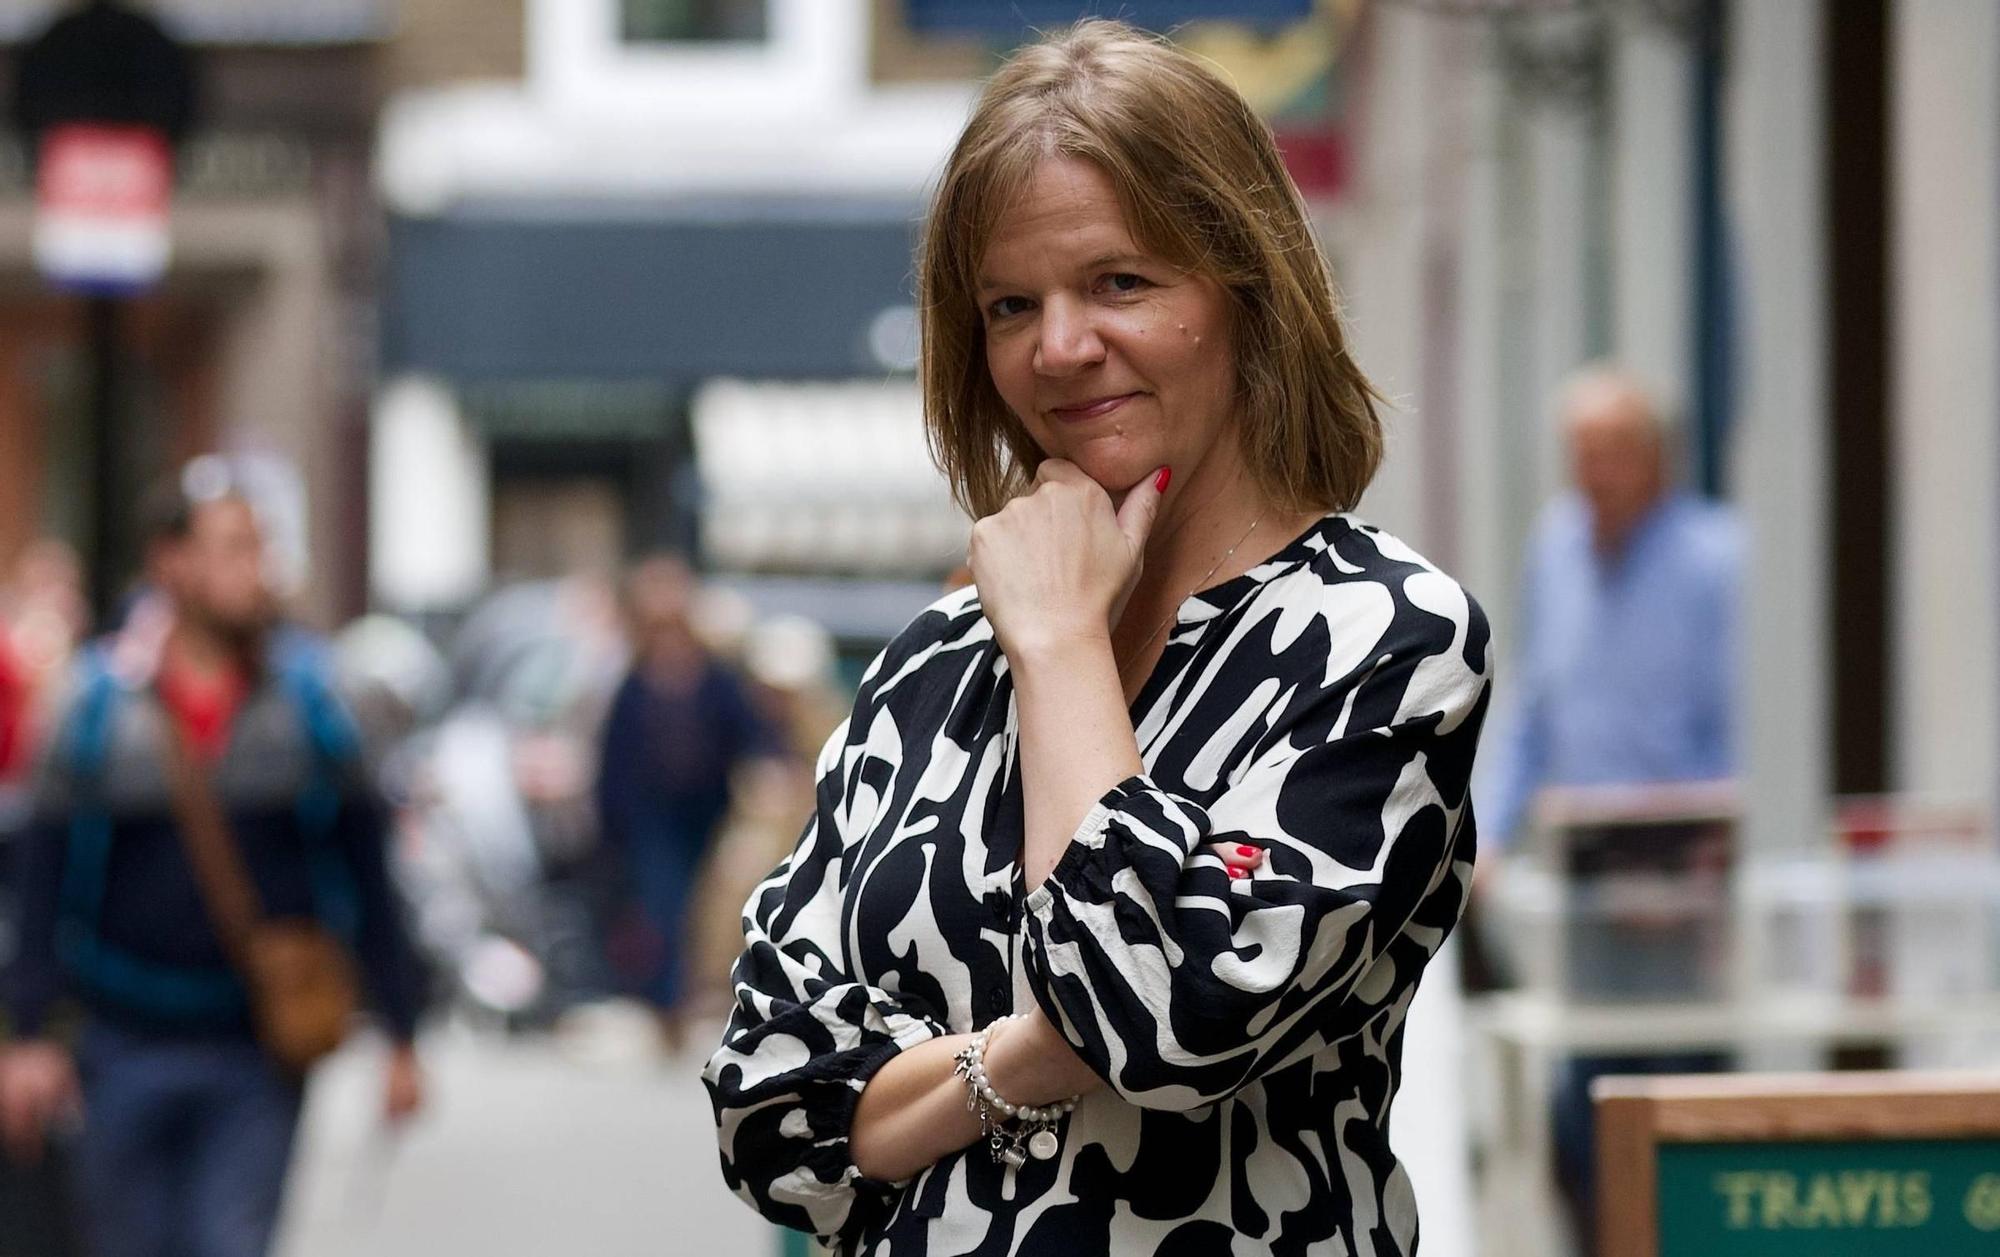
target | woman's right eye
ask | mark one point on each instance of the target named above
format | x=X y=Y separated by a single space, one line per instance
x=1006 y=306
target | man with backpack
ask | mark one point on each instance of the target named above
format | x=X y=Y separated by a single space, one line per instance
x=204 y=878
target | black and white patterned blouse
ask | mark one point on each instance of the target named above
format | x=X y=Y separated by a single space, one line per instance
x=1325 y=706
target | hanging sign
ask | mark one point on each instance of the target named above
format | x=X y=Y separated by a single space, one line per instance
x=103 y=94
x=102 y=193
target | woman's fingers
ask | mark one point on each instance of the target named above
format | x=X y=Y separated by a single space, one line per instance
x=1052 y=564
x=1140 y=507
x=1059 y=469
x=1240 y=858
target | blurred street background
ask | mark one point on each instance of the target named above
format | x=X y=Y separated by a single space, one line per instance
x=487 y=301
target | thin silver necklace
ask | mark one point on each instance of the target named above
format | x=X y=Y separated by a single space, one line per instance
x=1198 y=587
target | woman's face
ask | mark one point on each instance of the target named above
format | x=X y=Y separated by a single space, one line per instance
x=1113 y=359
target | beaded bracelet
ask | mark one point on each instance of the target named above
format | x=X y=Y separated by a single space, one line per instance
x=1014 y=1132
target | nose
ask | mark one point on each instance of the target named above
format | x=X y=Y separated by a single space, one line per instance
x=1067 y=342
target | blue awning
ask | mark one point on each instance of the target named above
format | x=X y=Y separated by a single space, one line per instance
x=675 y=293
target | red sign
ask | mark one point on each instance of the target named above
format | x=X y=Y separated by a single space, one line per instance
x=102 y=194
x=1317 y=161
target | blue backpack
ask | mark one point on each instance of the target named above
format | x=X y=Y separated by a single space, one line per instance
x=176 y=992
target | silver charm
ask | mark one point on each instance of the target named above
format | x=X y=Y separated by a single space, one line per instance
x=1014 y=1157
x=1043 y=1144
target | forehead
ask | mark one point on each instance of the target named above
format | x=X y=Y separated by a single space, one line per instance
x=224 y=517
x=1607 y=403
x=661 y=589
x=1065 y=209
x=1613 y=428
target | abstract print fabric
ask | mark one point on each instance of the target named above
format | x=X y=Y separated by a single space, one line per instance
x=1324 y=706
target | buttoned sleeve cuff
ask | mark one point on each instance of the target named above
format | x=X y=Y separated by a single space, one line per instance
x=1134 y=823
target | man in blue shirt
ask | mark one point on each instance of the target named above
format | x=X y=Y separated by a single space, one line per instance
x=1626 y=656
x=1625 y=675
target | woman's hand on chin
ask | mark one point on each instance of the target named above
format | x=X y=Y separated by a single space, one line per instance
x=1057 y=563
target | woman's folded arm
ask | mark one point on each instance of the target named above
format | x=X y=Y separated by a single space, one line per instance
x=1178 y=984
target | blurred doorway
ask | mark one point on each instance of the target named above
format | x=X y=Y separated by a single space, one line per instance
x=545 y=527
x=164 y=388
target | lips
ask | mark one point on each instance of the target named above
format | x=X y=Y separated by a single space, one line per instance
x=1094 y=409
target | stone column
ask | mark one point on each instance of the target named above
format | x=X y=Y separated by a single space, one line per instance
x=1774 y=175
x=1945 y=573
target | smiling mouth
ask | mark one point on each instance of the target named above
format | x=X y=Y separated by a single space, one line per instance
x=1091 y=410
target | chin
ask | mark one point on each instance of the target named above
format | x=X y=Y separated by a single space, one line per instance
x=240 y=626
x=1115 y=472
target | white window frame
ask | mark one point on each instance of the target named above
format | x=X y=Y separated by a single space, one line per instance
x=814 y=56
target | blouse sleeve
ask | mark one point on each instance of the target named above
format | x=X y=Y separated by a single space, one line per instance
x=805 y=1035
x=1180 y=985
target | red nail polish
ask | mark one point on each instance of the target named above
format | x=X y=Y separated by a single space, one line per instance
x=1160 y=481
x=1246 y=849
x=1239 y=872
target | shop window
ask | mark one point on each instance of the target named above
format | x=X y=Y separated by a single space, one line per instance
x=693 y=21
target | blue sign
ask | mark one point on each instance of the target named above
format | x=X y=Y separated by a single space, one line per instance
x=1021 y=18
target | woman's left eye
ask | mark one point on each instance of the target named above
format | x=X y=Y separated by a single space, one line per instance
x=1124 y=281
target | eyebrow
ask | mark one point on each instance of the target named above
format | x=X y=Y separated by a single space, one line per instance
x=986 y=283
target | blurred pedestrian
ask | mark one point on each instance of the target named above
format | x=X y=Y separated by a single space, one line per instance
x=790 y=664
x=681 y=725
x=43 y=614
x=1626 y=676
x=16 y=705
x=1124 y=869
x=202 y=814
x=1626 y=668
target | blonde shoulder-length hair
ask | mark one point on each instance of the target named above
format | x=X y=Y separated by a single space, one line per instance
x=1202 y=185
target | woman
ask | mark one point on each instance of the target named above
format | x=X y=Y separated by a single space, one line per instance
x=1164 y=815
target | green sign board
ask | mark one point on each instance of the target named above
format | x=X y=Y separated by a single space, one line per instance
x=1838 y=1198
